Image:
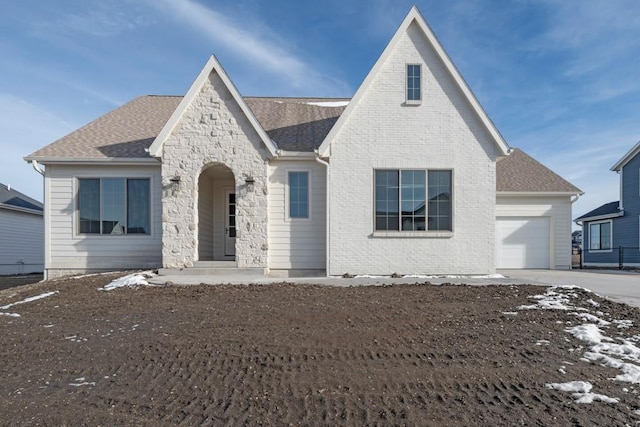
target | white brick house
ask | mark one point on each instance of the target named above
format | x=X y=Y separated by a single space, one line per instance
x=409 y=176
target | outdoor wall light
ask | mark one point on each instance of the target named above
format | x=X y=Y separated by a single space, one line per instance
x=174 y=184
x=250 y=183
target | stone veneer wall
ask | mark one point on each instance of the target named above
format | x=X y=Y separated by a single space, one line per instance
x=213 y=130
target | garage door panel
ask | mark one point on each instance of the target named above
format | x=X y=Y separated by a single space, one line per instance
x=522 y=242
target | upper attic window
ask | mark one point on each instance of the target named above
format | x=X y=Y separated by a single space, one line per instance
x=414 y=92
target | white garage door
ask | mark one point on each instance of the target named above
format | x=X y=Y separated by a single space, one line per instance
x=522 y=242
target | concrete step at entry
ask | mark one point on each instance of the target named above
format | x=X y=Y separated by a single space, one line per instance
x=213 y=268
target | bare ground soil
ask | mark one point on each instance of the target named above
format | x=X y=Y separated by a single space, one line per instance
x=7 y=282
x=301 y=355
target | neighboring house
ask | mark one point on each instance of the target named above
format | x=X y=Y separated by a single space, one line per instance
x=21 y=233
x=611 y=232
x=409 y=176
x=576 y=239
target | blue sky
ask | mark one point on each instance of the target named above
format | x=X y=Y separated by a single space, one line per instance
x=558 y=77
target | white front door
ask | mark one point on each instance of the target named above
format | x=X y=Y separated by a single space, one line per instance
x=230 y=224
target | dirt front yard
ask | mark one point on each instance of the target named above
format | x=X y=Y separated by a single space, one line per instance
x=308 y=355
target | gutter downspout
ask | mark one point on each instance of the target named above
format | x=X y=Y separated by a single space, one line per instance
x=328 y=198
x=45 y=219
x=37 y=167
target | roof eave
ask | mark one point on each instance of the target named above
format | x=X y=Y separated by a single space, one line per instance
x=539 y=193
x=20 y=209
x=94 y=161
x=599 y=217
x=626 y=158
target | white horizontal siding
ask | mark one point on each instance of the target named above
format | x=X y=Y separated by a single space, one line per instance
x=67 y=250
x=297 y=243
x=557 y=208
x=21 y=242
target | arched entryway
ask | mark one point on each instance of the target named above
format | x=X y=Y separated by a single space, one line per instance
x=216 y=214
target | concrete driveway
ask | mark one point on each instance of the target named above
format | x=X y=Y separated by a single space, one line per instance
x=619 y=286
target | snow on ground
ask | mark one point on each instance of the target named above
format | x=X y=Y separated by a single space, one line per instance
x=428 y=276
x=37 y=297
x=581 y=392
x=130 y=281
x=617 y=353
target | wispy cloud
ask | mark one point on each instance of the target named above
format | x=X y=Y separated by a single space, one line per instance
x=25 y=128
x=257 y=45
x=100 y=19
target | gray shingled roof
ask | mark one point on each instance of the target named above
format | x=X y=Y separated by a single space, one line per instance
x=295 y=124
x=607 y=209
x=13 y=198
x=519 y=172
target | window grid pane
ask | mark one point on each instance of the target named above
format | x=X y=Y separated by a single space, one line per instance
x=439 y=200
x=387 y=200
x=299 y=194
x=413 y=200
x=89 y=206
x=413 y=82
x=138 y=221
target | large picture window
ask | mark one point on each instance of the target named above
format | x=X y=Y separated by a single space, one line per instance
x=600 y=236
x=114 y=206
x=413 y=200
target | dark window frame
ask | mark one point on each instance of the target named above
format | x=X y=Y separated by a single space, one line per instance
x=106 y=218
x=399 y=206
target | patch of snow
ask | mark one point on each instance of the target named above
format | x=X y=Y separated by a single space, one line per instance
x=550 y=300
x=130 y=281
x=587 y=317
x=588 y=332
x=593 y=303
x=37 y=297
x=488 y=276
x=329 y=103
x=622 y=324
x=82 y=384
x=510 y=313
x=581 y=391
x=571 y=386
x=542 y=342
x=9 y=314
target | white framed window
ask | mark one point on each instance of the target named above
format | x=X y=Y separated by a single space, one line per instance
x=414 y=84
x=298 y=192
x=413 y=200
x=600 y=236
x=114 y=206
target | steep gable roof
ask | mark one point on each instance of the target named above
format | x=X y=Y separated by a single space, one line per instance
x=12 y=199
x=414 y=16
x=518 y=172
x=211 y=66
x=626 y=158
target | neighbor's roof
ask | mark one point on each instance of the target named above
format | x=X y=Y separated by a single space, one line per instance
x=626 y=158
x=607 y=210
x=295 y=124
x=519 y=172
x=10 y=198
